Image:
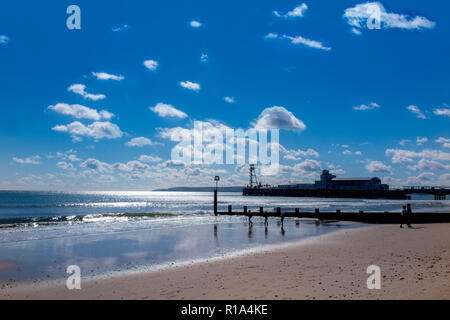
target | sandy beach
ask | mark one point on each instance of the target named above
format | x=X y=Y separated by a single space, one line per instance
x=415 y=264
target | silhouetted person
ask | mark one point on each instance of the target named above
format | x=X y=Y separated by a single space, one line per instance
x=282 y=218
x=266 y=220
x=408 y=214
x=405 y=219
x=250 y=223
x=282 y=231
x=250 y=231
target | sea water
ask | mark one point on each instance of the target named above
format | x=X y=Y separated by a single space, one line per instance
x=42 y=233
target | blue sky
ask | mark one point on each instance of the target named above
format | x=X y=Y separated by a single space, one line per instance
x=374 y=101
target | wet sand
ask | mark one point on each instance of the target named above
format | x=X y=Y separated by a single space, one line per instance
x=415 y=264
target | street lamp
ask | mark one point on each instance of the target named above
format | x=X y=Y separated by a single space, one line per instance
x=217 y=179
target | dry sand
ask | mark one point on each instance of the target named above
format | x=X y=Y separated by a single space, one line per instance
x=415 y=264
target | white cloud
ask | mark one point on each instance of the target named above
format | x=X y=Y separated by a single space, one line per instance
x=195 y=24
x=271 y=35
x=151 y=64
x=445 y=142
x=378 y=167
x=139 y=142
x=423 y=178
x=80 y=112
x=420 y=141
x=204 y=58
x=299 y=154
x=131 y=166
x=308 y=165
x=30 y=160
x=442 y=112
x=80 y=89
x=174 y=164
x=296 y=12
x=96 y=165
x=363 y=14
x=107 y=76
x=120 y=28
x=356 y=31
x=349 y=153
x=229 y=99
x=190 y=85
x=149 y=159
x=307 y=42
x=426 y=165
x=96 y=130
x=166 y=110
x=365 y=107
x=65 y=165
x=278 y=118
x=404 y=142
x=415 y=110
x=4 y=39
x=407 y=156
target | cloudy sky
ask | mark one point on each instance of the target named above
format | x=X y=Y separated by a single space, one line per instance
x=96 y=108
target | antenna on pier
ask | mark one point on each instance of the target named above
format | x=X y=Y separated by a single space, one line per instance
x=253 y=179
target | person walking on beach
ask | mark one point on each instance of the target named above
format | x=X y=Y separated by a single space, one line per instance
x=250 y=223
x=405 y=217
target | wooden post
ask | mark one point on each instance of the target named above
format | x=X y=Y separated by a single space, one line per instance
x=215 y=202
x=230 y=209
x=316 y=210
x=279 y=211
x=245 y=210
x=297 y=211
x=261 y=210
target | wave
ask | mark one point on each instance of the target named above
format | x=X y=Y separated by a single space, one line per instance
x=107 y=217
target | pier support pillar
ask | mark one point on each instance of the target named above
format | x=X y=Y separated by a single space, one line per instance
x=261 y=210
x=297 y=211
x=279 y=211
x=245 y=210
x=316 y=211
x=230 y=209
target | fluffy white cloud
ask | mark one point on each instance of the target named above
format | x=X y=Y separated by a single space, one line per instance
x=166 y=110
x=65 y=165
x=4 y=39
x=363 y=14
x=80 y=112
x=96 y=165
x=131 y=166
x=190 y=85
x=445 y=142
x=278 y=118
x=173 y=164
x=204 y=58
x=378 y=167
x=229 y=99
x=296 y=12
x=308 y=165
x=404 y=142
x=427 y=165
x=423 y=178
x=81 y=90
x=107 y=76
x=299 y=154
x=29 y=160
x=139 y=142
x=407 y=156
x=365 y=107
x=195 y=24
x=151 y=64
x=415 y=110
x=96 y=130
x=442 y=112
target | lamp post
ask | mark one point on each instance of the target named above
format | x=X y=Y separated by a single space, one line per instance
x=216 y=179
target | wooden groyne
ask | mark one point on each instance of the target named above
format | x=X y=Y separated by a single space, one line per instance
x=361 y=216
x=338 y=215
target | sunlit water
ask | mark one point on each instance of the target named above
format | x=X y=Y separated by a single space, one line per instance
x=41 y=233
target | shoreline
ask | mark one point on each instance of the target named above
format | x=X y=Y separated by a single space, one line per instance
x=414 y=265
